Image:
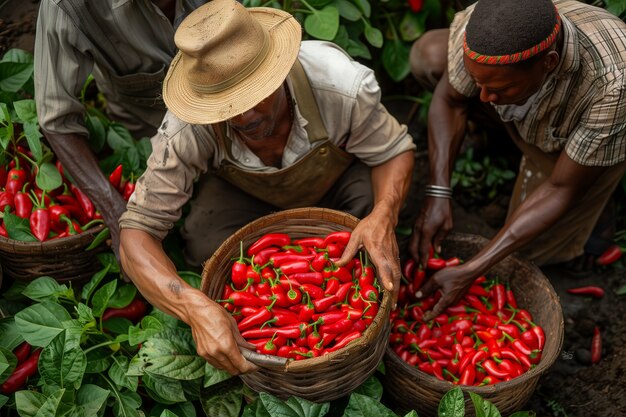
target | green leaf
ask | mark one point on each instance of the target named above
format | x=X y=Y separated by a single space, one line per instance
x=40 y=323
x=323 y=24
x=28 y=402
x=48 y=177
x=93 y=283
x=371 y=387
x=91 y=398
x=148 y=327
x=62 y=365
x=51 y=406
x=144 y=148
x=396 y=59
x=523 y=414
x=117 y=373
x=101 y=298
x=363 y=406
x=171 y=354
x=99 y=360
x=412 y=26
x=3 y=400
x=213 y=376
x=348 y=10
x=18 y=55
x=13 y=76
x=100 y=238
x=123 y=296
x=46 y=288
x=164 y=390
x=483 y=407
x=621 y=290
x=8 y=362
x=192 y=278
x=168 y=413
x=119 y=138
x=411 y=413
x=452 y=404
x=109 y=259
x=127 y=404
x=26 y=110
x=118 y=325
x=11 y=334
x=85 y=314
x=97 y=133
x=224 y=399
x=131 y=159
x=617 y=7
x=186 y=409
x=365 y=7
x=356 y=48
x=18 y=228
x=374 y=36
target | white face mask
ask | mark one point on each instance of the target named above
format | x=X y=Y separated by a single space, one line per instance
x=514 y=112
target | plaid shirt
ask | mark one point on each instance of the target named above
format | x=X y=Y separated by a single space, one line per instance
x=581 y=107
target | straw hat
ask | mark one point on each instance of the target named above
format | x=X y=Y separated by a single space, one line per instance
x=230 y=58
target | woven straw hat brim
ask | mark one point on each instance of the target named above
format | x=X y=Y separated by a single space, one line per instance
x=206 y=108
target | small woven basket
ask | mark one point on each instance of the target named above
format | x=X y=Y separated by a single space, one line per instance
x=316 y=379
x=411 y=389
x=63 y=259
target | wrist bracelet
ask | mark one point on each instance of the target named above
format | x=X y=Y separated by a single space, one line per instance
x=438 y=191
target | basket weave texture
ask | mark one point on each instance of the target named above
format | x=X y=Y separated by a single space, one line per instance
x=411 y=388
x=316 y=379
x=63 y=259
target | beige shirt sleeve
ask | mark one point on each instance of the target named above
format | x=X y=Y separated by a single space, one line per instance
x=459 y=78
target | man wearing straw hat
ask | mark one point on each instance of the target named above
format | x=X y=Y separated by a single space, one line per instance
x=265 y=123
x=554 y=74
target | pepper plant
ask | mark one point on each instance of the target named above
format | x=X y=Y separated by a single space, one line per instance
x=364 y=29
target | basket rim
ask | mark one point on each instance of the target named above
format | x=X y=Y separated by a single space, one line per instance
x=85 y=235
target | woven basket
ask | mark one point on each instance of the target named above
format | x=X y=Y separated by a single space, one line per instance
x=63 y=259
x=411 y=388
x=316 y=379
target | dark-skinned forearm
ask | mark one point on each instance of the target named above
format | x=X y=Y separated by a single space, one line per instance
x=154 y=274
x=79 y=161
x=447 y=118
x=391 y=182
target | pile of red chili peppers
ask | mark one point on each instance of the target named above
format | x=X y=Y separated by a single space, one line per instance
x=484 y=339
x=62 y=212
x=290 y=299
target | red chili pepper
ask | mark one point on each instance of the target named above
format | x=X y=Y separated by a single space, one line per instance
x=290 y=331
x=454 y=261
x=116 y=176
x=22 y=351
x=467 y=376
x=7 y=199
x=590 y=290
x=310 y=277
x=134 y=312
x=313 y=242
x=295 y=267
x=263 y=256
x=283 y=317
x=418 y=278
x=341 y=326
x=84 y=201
x=306 y=312
x=492 y=369
x=331 y=287
x=499 y=295
x=612 y=254
x=269 y=348
x=596 y=345
x=335 y=250
x=129 y=189
x=322 y=304
x=71 y=205
x=21 y=373
x=240 y=299
x=435 y=264
x=510 y=298
x=416 y=5
x=283 y=258
x=408 y=268
x=539 y=335
x=23 y=205
x=337 y=238
x=238 y=271
x=344 y=341
x=270 y=239
x=40 y=223
x=314 y=291
x=261 y=316
x=367 y=276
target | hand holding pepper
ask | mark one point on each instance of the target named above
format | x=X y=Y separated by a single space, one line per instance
x=376 y=234
x=453 y=282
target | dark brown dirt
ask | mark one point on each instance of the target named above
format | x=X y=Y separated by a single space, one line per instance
x=572 y=387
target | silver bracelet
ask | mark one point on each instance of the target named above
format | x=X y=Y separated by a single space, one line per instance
x=438 y=191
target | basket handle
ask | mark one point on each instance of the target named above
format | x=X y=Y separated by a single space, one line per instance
x=263 y=360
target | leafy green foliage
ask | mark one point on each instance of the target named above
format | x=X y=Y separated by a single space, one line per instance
x=481 y=180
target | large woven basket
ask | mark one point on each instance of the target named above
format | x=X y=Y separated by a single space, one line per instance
x=316 y=379
x=63 y=259
x=411 y=388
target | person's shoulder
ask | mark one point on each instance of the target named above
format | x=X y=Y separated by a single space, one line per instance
x=171 y=126
x=328 y=66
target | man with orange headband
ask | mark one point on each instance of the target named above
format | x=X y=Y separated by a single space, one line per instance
x=553 y=73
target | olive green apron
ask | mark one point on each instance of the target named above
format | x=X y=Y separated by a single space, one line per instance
x=305 y=182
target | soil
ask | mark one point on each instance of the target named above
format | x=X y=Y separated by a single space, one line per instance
x=572 y=386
